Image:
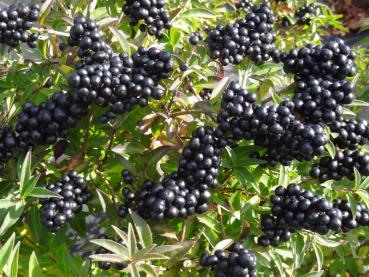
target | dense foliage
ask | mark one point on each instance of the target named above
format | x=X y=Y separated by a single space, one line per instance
x=181 y=138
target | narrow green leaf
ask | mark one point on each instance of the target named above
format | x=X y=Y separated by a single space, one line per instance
x=7 y=203
x=114 y=258
x=319 y=256
x=122 y=39
x=44 y=193
x=155 y=256
x=25 y=172
x=168 y=248
x=364 y=196
x=358 y=103
x=132 y=243
x=143 y=230
x=219 y=89
x=357 y=178
x=34 y=269
x=314 y=274
x=325 y=242
x=352 y=203
x=30 y=185
x=102 y=200
x=278 y=262
x=134 y=271
x=365 y=184
x=5 y=251
x=11 y=217
x=149 y=269
x=112 y=246
x=284 y=177
x=12 y=264
x=222 y=245
x=121 y=234
x=331 y=148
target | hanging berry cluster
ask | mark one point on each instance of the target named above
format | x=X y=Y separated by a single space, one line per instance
x=236 y=261
x=295 y=208
x=342 y=165
x=274 y=127
x=320 y=74
x=252 y=36
x=185 y=191
x=118 y=82
x=151 y=12
x=56 y=212
x=15 y=23
x=350 y=133
x=244 y=5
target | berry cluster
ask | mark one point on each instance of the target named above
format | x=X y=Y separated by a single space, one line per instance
x=15 y=23
x=205 y=94
x=304 y=14
x=320 y=72
x=238 y=262
x=244 y=5
x=45 y=123
x=348 y=221
x=8 y=142
x=295 y=209
x=351 y=133
x=185 y=192
x=55 y=212
x=342 y=165
x=252 y=36
x=153 y=12
x=273 y=127
x=108 y=265
x=85 y=34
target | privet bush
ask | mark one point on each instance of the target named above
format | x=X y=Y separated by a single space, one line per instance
x=181 y=138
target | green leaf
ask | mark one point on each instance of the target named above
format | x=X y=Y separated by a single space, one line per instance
x=149 y=269
x=122 y=39
x=5 y=251
x=284 y=177
x=319 y=256
x=7 y=203
x=358 y=103
x=12 y=264
x=44 y=193
x=25 y=173
x=352 y=202
x=357 y=178
x=278 y=262
x=114 y=258
x=11 y=217
x=143 y=230
x=325 y=242
x=219 y=89
x=365 y=184
x=132 y=243
x=30 y=185
x=197 y=13
x=364 y=196
x=222 y=245
x=34 y=269
x=129 y=148
x=134 y=271
x=121 y=234
x=169 y=248
x=331 y=148
x=112 y=246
